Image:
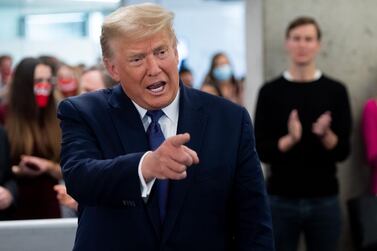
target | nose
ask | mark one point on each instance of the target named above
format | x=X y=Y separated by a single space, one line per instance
x=153 y=68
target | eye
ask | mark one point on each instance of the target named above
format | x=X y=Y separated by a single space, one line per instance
x=48 y=80
x=296 y=39
x=38 y=80
x=136 y=60
x=162 y=53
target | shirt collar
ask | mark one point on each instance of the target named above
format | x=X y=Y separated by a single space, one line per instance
x=288 y=76
x=170 y=111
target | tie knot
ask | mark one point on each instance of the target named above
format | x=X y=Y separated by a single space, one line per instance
x=155 y=115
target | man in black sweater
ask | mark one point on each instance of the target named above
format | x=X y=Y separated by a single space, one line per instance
x=302 y=128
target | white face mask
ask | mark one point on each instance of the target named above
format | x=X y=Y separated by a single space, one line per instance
x=222 y=72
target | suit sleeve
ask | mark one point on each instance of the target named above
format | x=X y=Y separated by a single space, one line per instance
x=253 y=224
x=90 y=179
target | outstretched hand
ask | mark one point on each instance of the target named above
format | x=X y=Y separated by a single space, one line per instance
x=64 y=198
x=6 y=198
x=34 y=166
x=170 y=160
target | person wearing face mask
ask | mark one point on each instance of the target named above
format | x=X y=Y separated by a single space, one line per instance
x=34 y=137
x=220 y=80
x=67 y=82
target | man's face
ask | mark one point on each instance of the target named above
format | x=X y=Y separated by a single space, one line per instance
x=302 y=45
x=147 y=69
x=6 y=67
x=91 y=81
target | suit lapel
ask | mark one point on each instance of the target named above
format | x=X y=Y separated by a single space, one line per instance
x=134 y=139
x=192 y=120
x=127 y=122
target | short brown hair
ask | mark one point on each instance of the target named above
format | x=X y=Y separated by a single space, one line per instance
x=300 y=21
x=5 y=57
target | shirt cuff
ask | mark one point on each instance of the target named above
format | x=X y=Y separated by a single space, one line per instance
x=144 y=186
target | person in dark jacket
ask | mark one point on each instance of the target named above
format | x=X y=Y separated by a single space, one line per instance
x=8 y=187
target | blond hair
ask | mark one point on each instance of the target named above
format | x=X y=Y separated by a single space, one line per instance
x=135 y=22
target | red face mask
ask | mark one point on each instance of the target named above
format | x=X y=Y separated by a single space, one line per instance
x=67 y=85
x=42 y=91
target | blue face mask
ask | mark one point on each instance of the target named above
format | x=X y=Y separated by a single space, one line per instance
x=222 y=72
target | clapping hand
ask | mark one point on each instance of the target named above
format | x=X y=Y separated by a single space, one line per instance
x=322 y=125
x=294 y=126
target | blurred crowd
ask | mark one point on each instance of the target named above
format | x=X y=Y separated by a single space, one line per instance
x=30 y=174
x=31 y=184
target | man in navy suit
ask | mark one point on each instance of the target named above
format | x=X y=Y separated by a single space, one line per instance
x=155 y=165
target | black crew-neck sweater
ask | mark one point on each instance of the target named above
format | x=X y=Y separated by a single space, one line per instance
x=308 y=169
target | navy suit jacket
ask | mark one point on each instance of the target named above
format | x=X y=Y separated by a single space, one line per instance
x=221 y=205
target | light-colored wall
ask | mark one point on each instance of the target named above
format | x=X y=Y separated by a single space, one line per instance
x=349 y=54
x=211 y=28
x=71 y=51
x=38 y=235
x=9 y=28
x=254 y=52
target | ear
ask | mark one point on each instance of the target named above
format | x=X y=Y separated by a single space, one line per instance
x=176 y=55
x=319 y=45
x=112 y=69
x=286 y=44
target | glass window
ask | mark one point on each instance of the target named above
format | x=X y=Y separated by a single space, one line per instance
x=54 y=26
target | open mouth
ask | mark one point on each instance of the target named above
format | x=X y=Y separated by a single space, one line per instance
x=157 y=87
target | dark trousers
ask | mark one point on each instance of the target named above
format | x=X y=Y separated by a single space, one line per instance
x=319 y=219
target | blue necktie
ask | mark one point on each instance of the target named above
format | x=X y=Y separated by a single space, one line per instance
x=156 y=137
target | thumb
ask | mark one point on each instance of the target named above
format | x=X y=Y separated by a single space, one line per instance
x=179 y=139
x=16 y=169
x=293 y=114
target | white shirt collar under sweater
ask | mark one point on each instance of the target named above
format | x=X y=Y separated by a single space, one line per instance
x=288 y=76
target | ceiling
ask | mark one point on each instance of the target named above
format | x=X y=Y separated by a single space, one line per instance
x=98 y=3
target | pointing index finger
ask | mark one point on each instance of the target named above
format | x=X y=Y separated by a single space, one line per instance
x=179 y=139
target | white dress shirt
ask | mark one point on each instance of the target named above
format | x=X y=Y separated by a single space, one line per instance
x=168 y=123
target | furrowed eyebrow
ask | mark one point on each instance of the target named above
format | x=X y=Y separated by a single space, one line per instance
x=136 y=55
x=162 y=47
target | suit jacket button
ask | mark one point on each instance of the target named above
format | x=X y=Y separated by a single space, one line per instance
x=128 y=203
